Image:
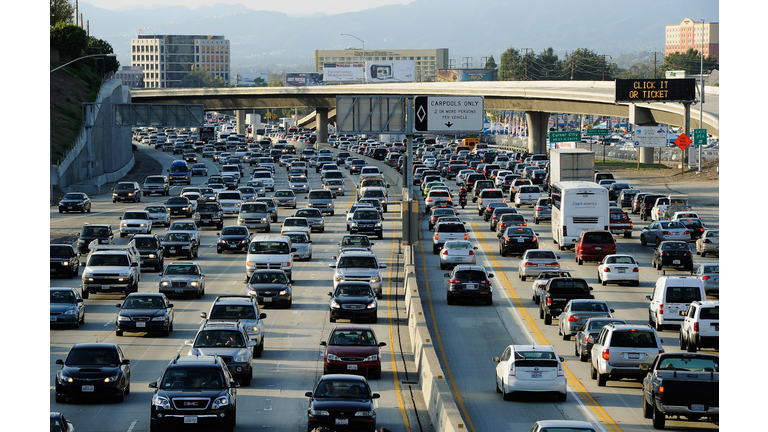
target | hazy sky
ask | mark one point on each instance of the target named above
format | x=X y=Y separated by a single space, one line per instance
x=293 y=7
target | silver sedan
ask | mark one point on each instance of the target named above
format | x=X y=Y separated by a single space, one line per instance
x=710 y=278
x=456 y=252
x=577 y=312
x=659 y=231
x=708 y=243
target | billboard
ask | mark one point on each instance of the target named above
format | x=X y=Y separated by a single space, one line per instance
x=650 y=136
x=303 y=79
x=461 y=75
x=390 y=71
x=246 y=79
x=333 y=72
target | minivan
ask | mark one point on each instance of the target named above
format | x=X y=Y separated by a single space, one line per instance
x=594 y=246
x=179 y=173
x=270 y=252
x=671 y=295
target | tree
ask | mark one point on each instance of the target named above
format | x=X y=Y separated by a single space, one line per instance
x=260 y=82
x=200 y=78
x=491 y=65
x=585 y=65
x=276 y=79
x=690 y=62
x=69 y=39
x=100 y=46
x=61 y=12
x=544 y=66
x=512 y=67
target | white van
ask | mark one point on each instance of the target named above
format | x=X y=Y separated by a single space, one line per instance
x=270 y=252
x=671 y=295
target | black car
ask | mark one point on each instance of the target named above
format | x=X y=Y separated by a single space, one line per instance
x=490 y=208
x=469 y=282
x=209 y=213
x=496 y=215
x=615 y=189
x=91 y=232
x=233 y=238
x=270 y=286
x=230 y=182
x=695 y=226
x=353 y=301
x=150 y=250
x=517 y=240
x=60 y=424
x=75 y=201
x=144 y=312
x=179 y=244
x=366 y=221
x=126 y=191
x=342 y=402
x=93 y=370
x=64 y=260
x=673 y=253
x=179 y=206
x=194 y=390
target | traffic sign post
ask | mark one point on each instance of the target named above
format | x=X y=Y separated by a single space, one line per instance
x=568 y=136
x=683 y=142
x=699 y=137
x=449 y=114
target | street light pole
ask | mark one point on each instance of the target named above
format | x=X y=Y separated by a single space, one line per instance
x=701 y=93
x=345 y=34
x=84 y=57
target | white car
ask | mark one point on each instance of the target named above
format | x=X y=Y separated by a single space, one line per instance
x=499 y=181
x=160 y=214
x=460 y=177
x=230 y=201
x=135 y=222
x=370 y=172
x=265 y=177
x=527 y=195
x=535 y=261
x=530 y=368
x=619 y=268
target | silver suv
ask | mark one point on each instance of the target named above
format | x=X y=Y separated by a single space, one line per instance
x=358 y=266
x=230 y=342
x=623 y=351
x=243 y=308
x=321 y=199
x=255 y=216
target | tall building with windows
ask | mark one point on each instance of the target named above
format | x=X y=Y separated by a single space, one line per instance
x=131 y=76
x=426 y=61
x=703 y=37
x=167 y=59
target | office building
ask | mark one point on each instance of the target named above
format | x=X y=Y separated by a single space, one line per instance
x=426 y=61
x=132 y=76
x=167 y=59
x=702 y=37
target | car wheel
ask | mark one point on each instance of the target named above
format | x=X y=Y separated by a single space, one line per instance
x=541 y=311
x=166 y=332
x=682 y=341
x=536 y=299
x=258 y=350
x=657 y=326
x=85 y=294
x=506 y=396
x=603 y=282
x=647 y=409
x=547 y=319
x=502 y=252
x=703 y=254
x=691 y=346
x=658 y=265
x=561 y=397
x=658 y=419
x=580 y=261
x=523 y=277
x=602 y=379
x=583 y=356
x=536 y=221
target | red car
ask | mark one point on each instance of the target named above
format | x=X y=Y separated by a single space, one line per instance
x=352 y=349
x=620 y=223
x=594 y=246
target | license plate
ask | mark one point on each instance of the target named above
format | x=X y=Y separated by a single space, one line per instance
x=87 y=389
x=521 y=240
x=633 y=356
x=105 y=287
x=53 y=270
x=697 y=407
x=141 y=324
x=622 y=270
x=267 y=299
x=342 y=422
x=206 y=220
x=598 y=248
x=190 y=419
x=351 y=367
x=69 y=207
x=471 y=286
x=53 y=318
x=178 y=291
x=535 y=374
x=675 y=261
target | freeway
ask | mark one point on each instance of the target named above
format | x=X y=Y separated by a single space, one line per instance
x=292 y=360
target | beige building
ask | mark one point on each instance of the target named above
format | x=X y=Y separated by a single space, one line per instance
x=703 y=37
x=426 y=61
x=167 y=59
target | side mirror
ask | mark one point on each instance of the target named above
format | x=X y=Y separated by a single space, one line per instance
x=496 y=359
x=188 y=342
x=330 y=294
x=446 y=275
x=648 y=298
x=308 y=394
x=323 y=343
x=591 y=289
x=382 y=266
x=490 y=275
x=118 y=305
x=611 y=310
x=203 y=315
x=381 y=344
x=153 y=385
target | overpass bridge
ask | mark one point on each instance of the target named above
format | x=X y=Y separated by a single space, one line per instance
x=537 y=98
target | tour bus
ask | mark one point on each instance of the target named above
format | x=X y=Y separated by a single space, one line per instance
x=577 y=206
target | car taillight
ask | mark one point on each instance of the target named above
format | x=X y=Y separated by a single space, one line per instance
x=636 y=270
x=695 y=327
x=707 y=241
x=607 y=270
x=565 y=231
x=436 y=236
x=466 y=237
x=535 y=238
x=549 y=302
x=689 y=254
x=560 y=371
x=495 y=218
x=661 y=254
x=511 y=370
x=471 y=252
x=573 y=318
x=485 y=282
x=606 y=354
x=667 y=232
x=538 y=209
x=661 y=309
x=552 y=264
x=705 y=278
x=445 y=252
x=701 y=229
x=530 y=264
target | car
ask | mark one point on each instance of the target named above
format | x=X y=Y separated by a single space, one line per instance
x=229 y=341
x=59 y=423
x=180 y=244
x=535 y=261
x=298 y=184
x=658 y=231
x=150 y=250
x=296 y=224
x=626 y=198
x=618 y=268
x=182 y=278
x=156 y=184
x=352 y=349
x=247 y=193
x=562 y=425
x=540 y=282
x=368 y=221
x=509 y=220
x=527 y=195
x=321 y=199
x=179 y=206
x=336 y=186
x=271 y=208
x=615 y=188
x=620 y=351
x=491 y=208
x=233 y=238
x=341 y=401
x=285 y=198
x=67 y=307
x=144 y=312
x=530 y=368
x=243 y=308
x=314 y=217
x=90 y=232
x=456 y=252
x=75 y=201
x=126 y=191
x=576 y=313
x=438 y=212
x=469 y=282
x=270 y=286
x=671 y=253
x=354 y=241
x=672 y=295
x=695 y=226
x=135 y=222
x=590 y=328
x=710 y=277
x=358 y=266
x=159 y=214
x=701 y=326
x=517 y=240
x=214 y=405
x=199 y=169
x=542 y=210
x=64 y=260
x=93 y=370
x=488 y=196
x=302 y=243
x=594 y=245
x=353 y=300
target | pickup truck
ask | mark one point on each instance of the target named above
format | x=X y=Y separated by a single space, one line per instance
x=666 y=207
x=558 y=292
x=620 y=223
x=682 y=385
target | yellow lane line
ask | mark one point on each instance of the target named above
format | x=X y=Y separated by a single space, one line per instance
x=574 y=382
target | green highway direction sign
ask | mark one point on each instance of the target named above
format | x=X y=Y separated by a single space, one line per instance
x=596 y=131
x=699 y=137
x=569 y=136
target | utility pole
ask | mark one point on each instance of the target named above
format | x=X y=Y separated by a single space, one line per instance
x=604 y=56
x=466 y=61
x=573 y=63
x=483 y=61
x=654 y=63
x=526 y=61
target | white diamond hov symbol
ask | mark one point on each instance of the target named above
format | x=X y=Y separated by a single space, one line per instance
x=421 y=113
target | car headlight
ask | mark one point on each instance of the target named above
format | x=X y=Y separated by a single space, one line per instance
x=378 y=224
x=335 y=304
x=161 y=402
x=253 y=330
x=365 y=413
x=333 y=357
x=318 y=413
x=143 y=225
x=241 y=358
x=123 y=318
x=114 y=194
x=376 y=278
x=65 y=263
x=110 y=379
x=123 y=225
x=152 y=256
x=160 y=318
x=70 y=312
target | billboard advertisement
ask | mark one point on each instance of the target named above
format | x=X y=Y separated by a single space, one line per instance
x=303 y=79
x=333 y=72
x=461 y=75
x=390 y=71
x=246 y=79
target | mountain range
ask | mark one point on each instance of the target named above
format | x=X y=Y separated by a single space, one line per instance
x=275 y=41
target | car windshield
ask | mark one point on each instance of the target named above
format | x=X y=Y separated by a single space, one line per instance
x=689 y=364
x=145 y=242
x=229 y=196
x=366 y=215
x=299 y=222
x=140 y=302
x=633 y=339
x=470 y=275
x=352 y=338
x=181 y=270
x=620 y=260
x=711 y=269
x=253 y=208
x=314 y=213
x=341 y=389
x=577 y=286
x=589 y=307
x=674 y=246
x=284 y=194
x=458 y=245
x=193 y=378
x=597 y=238
x=219 y=338
x=156 y=209
x=320 y=195
x=297 y=238
x=135 y=215
x=63 y=251
x=540 y=254
x=357 y=262
x=355 y=241
x=375 y=193
x=108 y=260
x=232 y=312
x=353 y=291
x=236 y=231
x=599 y=324
x=153 y=180
x=92 y=357
x=62 y=296
x=177 y=237
x=182 y=226
x=177 y=201
x=124 y=186
x=90 y=231
x=268 y=247
x=247 y=190
x=74 y=196
x=671 y=224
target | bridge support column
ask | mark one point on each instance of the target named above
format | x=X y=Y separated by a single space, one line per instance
x=240 y=117
x=321 y=118
x=537 y=131
x=646 y=155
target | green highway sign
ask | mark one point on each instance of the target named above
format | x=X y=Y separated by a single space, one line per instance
x=699 y=137
x=596 y=131
x=569 y=136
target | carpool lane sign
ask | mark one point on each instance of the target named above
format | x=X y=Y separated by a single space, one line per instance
x=449 y=113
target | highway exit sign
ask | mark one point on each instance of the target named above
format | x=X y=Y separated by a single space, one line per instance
x=568 y=136
x=699 y=137
x=596 y=131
